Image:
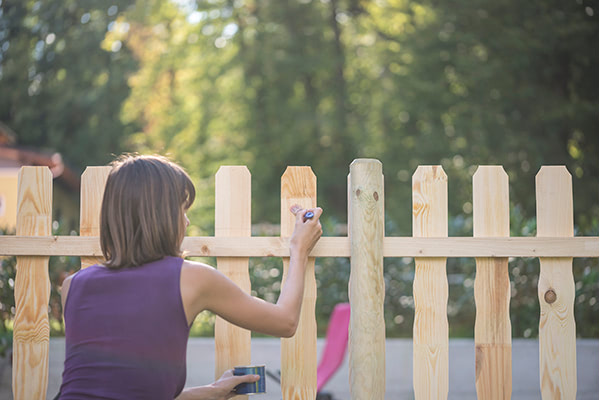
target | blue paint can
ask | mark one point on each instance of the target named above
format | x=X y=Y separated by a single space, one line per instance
x=257 y=387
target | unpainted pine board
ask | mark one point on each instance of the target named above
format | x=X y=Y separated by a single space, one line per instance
x=93 y=182
x=299 y=353
x=556 y=286
x=31 y=334
x=328 y=246
x=491 y=218
x=430 y=286
x=232 y=219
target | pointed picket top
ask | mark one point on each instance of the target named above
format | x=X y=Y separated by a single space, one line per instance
x=233 y=187
x=232 y=171
x=298 y=181
x=554 y=201
x=34 y=201
x=430 y=201
x=491 y=206
x=93 y=182
x=298 y=186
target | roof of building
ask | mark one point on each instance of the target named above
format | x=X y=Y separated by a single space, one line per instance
x=12 y=156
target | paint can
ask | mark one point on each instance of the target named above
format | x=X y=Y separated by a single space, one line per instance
x=257 y=387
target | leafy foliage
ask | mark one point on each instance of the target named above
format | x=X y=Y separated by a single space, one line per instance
x=7 y=302
x=61 y=90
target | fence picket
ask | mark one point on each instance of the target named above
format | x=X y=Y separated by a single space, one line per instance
x=232 y=218
x=367 y=245
x=93 y=181
x=430 y=286
x=493 y=358
x=556 y=286
x=31 y=334
x=366 y=287
x=299 y=353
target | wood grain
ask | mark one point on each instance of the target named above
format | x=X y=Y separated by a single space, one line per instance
x=366 y=287
x=430 y=286
x=328 y=246
x=556 y=287
x=31 y=335
x=299 y=353
x=93 y=182
x=491 y=217
x=232 y=218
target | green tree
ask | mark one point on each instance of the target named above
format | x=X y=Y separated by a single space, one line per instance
x=60 y=89
x=467 y=83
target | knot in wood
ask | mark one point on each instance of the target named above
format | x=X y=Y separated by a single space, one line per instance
x=375 y=196
x=204 y=249
x=550 y=296
x=357 y=192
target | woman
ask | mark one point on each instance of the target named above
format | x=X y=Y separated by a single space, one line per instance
x=127 y=320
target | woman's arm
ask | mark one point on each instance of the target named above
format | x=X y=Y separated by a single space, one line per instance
x=64 y=290
x=204 y=288
x=221 y=389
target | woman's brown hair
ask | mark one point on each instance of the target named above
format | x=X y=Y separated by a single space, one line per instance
x=142 y=214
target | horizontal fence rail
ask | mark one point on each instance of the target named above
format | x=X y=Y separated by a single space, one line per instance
x=328 y=246
x=366 y=245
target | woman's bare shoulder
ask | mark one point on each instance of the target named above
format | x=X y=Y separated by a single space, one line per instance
x=196 y=267
x=64 y=288
x=196 y=273
x=196 y=280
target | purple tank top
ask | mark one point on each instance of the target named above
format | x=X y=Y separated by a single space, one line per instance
x=126 y=333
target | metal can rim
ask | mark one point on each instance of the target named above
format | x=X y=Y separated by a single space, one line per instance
x=250 y=366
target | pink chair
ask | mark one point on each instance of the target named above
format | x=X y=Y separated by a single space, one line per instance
x=336 y=343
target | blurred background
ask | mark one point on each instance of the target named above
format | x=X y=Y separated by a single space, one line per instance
x=268 y=84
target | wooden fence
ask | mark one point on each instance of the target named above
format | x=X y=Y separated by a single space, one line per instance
x=366 y=245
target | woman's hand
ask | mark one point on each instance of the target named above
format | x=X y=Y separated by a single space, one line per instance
x=306 y=231
x=219 y=390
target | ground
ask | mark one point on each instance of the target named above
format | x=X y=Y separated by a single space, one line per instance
x=398 y=369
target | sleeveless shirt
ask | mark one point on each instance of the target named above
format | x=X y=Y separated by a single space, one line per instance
x=126 y=333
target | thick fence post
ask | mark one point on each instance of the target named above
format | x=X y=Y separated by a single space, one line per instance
x=556 y=287
x=493 y=363
x=299 y=353
x=93 y=182
x=430 y=287
x=232 y=218
x=366 y=286
x=31 y=335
